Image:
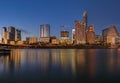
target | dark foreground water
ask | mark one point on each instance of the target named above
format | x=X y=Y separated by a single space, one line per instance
x=60 y=66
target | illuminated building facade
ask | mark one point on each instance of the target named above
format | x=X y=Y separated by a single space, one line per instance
x=110 y=35
x=73 y=36
x=55 y=41
x=31 y=40
x=80 y=30
x=65 y=38
x=98 y=39
x=45 y=33
x=90 y=35
x=12 y=34
x=64 y=35
x=80 y=36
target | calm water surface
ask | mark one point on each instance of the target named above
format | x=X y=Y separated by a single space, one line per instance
x=60 y=66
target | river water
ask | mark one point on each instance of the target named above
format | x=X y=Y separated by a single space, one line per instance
x=60 y=66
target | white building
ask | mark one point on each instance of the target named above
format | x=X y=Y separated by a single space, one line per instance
x=45 y=33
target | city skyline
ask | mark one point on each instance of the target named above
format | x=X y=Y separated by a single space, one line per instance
x=29 y=15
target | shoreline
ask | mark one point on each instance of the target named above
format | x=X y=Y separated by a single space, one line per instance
x=60 y=47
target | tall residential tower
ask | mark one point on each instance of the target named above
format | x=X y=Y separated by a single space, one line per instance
x=45 y=33
x=80 y=35
x=12 y=34
x=90 y=35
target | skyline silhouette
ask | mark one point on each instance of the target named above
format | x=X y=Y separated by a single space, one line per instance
x=30 y=14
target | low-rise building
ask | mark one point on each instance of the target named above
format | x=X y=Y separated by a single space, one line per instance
x=55 y=41
x=20 y=42
x=98 y=39
x=64 y=35
x=12 y=42
x=31 y=40
x=45 y=39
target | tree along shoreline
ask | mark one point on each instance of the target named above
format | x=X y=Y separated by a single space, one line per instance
x=60 y=47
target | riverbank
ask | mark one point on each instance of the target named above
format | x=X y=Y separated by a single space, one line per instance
x=60 y=47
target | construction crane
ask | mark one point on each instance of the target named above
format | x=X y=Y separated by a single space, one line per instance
x=25 y=32
x=65 y=26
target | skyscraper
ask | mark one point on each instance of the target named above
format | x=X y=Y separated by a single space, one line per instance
x=80 y=30
x=90 y=35
x=45 y=30
x=85 y=18
x=12 y=34
x=4 y=34
x=17 y=35
x=45 y=33
x=80 y=36
x=11 y=31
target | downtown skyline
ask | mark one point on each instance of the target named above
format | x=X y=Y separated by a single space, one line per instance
x=30 y=14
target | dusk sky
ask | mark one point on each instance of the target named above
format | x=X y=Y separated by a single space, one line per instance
x=29 y=14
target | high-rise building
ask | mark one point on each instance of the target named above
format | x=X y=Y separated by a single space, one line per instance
x=90 y=35
x=45 y=30
x=45 y=33
x=85 y=18
x=11 y=31
x=80 y=36
x=12 y=34
x=4 y=34
x=110 y=35
x=80 y=30
x=17 y=35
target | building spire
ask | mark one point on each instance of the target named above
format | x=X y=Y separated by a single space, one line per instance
x=85 y=18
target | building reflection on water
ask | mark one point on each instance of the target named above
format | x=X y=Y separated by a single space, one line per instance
x=77 y=62
x=15 y=60
x=3 y=64
x=43 y=59
x=113 y=61
x=92 y=62
x=55 y=56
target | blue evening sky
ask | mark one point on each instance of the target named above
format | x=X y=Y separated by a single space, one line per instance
x=29 y=14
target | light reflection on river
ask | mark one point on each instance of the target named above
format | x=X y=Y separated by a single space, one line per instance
x=60 y=65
